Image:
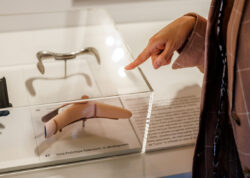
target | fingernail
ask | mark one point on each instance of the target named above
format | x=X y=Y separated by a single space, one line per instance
x=157 y=64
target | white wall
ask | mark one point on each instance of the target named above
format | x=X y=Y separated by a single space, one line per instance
x=122 y=11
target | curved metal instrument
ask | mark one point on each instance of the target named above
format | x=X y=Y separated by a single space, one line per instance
x=42 y=55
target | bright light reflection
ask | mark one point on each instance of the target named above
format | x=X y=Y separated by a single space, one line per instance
x=121 y=72
x=118 y=54
x=118 y=42
x=110 y=40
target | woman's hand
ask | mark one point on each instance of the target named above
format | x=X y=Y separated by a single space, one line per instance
x=162 y=45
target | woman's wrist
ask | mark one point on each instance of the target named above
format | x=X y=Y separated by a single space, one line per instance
x=189 y=22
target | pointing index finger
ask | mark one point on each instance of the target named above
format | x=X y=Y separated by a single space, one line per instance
x=145 y=54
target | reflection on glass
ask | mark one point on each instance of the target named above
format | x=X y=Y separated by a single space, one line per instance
x=118 y=54
x=118 y=42
x=110 y=40
x=121 y=72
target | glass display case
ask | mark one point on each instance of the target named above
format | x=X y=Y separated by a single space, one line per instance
x=65 y=95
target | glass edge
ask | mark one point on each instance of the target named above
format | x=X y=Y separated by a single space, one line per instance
x=130 y=53
x=75 y=101
x=147 y=123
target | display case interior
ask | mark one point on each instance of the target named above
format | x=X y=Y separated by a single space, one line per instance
x=65 y=95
